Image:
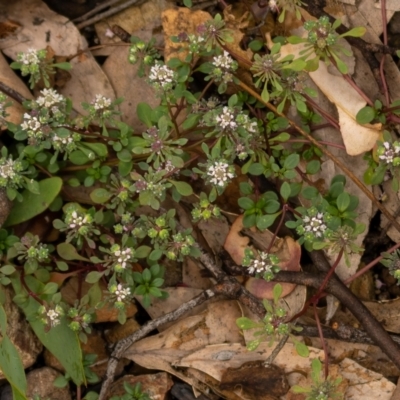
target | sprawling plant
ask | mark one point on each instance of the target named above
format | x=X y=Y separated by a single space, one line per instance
x=122 y=239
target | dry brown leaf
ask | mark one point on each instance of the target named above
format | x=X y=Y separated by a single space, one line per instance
x=287 y=250
x=9 y=78
x=176 y=21
x=41 y=27
x=126 y=83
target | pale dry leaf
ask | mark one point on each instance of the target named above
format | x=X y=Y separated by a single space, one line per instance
x=215 y=231
x=192 y=276
x=363 y=383
x=137 y=20
x=176 y=297
x=41 y=27
x=217 y=324
x=287 y=250
x=357 y=138
x=9 y=78
x=126 y=83
x=180 y=20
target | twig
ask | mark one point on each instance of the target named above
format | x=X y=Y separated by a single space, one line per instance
x=12 y=93
x=276 y=351
x=95 y=10
x=108 y=13
x=338 y=289
x=125 y=343
x=344 y=333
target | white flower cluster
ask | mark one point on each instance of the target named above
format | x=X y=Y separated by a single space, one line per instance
x=122 y=293
x=261 y=265
x=49 y=98
x=7 y=169
x=224 y=61
x=32 y=125
x=29 y=58
x=123 y=256
x=244 y=121
x=10 y=173
x=390 y=152
x=226 y=120
x=315 y=225
x=220 y=173
x=101 y=102
x=62 y=143
x=54 y=315
x=161 y=75
x=77 y=221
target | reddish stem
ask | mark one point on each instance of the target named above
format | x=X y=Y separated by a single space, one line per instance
x=323 y=344
x=370 y=265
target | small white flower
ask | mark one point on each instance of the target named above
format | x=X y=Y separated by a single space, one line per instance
x=123 y=256
x=122 y=293
x=101 y=102
x=77 y=221
x=162 y=75
x=225 y=61
x=7 y=169
x=226 y=119
x=54 y=315
x=30 y=57
x=315 y=225
x=30 y=123
x=220 y=173
x=49 y=98
x=391 y=151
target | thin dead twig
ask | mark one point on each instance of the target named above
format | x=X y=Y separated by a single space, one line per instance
x=109 y=13
x=125 y=343
x=338 y=289
x=12 y=93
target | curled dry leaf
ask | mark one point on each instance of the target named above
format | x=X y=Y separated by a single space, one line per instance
x=176 y=21
x=357 y=138
x=286 y=249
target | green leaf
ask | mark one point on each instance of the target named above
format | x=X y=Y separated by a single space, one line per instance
x=66 y=66
x=295 y=39
x=313 y=167
x=285 y=190
x=342 y=67
x=343 y=201
x=58 y=338
x=246 y=323
x=191 y=121
x=277 y=291
x=183 y=188
x=233 y=100
x=50 y=288
x=68 y=252
x=265 y=95
x=355 y=32
x=12 y=368
x=144 y=111
x=7 y=269
x=142 y=251
x=365 y=115
x=93 y=276
x=100 y=195
x=255 y=45
x=291 y=161
x=34 y=204
x=246 y=203
x=265 y=221
x=302 y=350
x=155 y=255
